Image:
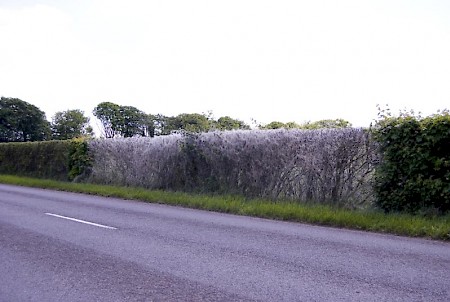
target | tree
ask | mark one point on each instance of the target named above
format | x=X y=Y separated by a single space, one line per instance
x=191 y=122
x=291 y=125
x=109 y=115
x=135 y=122
x=278 y=125
x=228 y=123
x=21 y=121
x=159 y=123
x=149 y=124
x=126 y=121
x=70 y=124
x=273 y=125
x=327 y=123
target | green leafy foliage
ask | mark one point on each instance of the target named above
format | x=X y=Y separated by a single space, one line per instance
x=79 y=160
x=124 y=121
x=70 y=124
x=22 y=122
x=57 y=159
x=191 y=122
x=35 y=159
x=414 y=173
x=321 y=124
x=280 y=125
x=133 y=121
x=109 y=115
x=228 y=123
x=328 y=123
x=196 y=123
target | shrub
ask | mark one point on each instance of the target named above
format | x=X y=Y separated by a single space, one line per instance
x=414 y=173
x=58 y=160
x=79 y=159
x=35 y=159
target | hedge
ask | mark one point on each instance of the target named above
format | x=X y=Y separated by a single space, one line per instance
x=410 y=156
x=58 y=160
x=414 y=172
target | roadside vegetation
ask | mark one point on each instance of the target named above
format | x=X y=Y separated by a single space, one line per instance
x=433 y=227
x=392 y=177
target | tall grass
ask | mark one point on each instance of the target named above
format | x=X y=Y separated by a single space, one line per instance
x=400 y=224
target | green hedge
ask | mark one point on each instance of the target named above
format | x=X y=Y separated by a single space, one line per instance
x=414 y=173
x=58 y=160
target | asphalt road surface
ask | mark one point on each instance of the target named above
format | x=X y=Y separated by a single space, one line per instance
x=57 y=246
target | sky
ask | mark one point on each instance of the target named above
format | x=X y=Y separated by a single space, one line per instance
x=254 y=60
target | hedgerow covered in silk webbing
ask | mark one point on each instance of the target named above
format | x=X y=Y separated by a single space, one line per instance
x=328 y=165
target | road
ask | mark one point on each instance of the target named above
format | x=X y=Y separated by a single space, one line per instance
x=58 y=246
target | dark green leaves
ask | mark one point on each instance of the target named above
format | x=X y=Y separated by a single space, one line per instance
x=123 y=121
x=413 y=174
x=22 y=122
x=70 y=124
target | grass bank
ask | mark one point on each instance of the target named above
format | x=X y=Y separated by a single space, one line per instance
x=399 y=224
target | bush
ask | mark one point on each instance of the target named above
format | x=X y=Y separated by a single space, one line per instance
x=58 y=160
x=79 y=159
x=35 y=159
x=414 y=173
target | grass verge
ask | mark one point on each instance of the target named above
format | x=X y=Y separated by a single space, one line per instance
x=398 y=224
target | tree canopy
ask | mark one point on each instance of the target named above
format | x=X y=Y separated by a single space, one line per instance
x=195 y=122
x=128 y=121
x=108 y=113
x=327 y=123
x=228 y=123
x=191 y=122
x=125 y=121
x=135 y=122
x=278 y=125
x=21 y=121
x=70 y=124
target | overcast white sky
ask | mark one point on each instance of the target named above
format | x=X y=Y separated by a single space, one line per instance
x=265 y=60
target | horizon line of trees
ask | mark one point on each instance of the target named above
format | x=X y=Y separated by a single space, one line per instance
x=21 y=121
